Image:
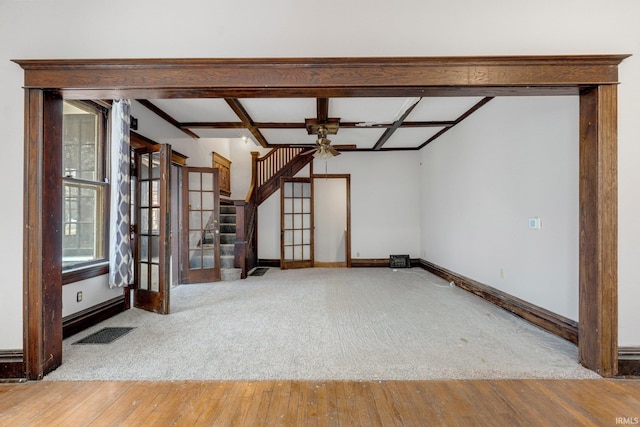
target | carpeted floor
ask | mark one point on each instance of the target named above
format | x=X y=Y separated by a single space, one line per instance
x=318 y=324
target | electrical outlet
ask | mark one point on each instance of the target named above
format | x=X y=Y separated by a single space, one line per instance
x=502 y=273
x=357 y=254
x=79 y=296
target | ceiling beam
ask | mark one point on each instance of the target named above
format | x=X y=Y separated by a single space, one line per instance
x=314 y=73
x=352 y=92
x=469 y=112
x=165 y=116
x=322 y=107
x=387 y=133
x=242 y=114
x=300 y=125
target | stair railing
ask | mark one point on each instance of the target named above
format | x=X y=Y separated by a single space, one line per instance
x=263 y=170
x=269 y=165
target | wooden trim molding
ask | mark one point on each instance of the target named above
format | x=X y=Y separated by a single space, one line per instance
x=84 y=273
x=42 y=265
x=84 y=319
x=330 y=264
x=378 y=262
x=11 y=365
x=317 y=77
x=269 y=263
x=593 y=77
x=545 y=319
x=598 y=253
x=629 y=362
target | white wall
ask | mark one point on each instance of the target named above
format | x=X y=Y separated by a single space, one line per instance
x=385 y=205
x=515 y=159
x=94 y=291
x=385 y=201
x=148 y=28
x=240 y=157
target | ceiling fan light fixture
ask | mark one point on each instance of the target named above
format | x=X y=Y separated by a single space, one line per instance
x=322 y=154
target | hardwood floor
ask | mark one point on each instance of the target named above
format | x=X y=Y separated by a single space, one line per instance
x=330 y=403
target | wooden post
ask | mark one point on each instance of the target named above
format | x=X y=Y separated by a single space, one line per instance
x=42 y=233
x=598 y=315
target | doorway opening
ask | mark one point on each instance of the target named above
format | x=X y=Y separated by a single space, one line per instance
x=332 y=213
x=593 y=78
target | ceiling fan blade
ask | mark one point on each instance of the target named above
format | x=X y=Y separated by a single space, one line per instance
x=345 y=146
x=304 y=153
x=334 y=151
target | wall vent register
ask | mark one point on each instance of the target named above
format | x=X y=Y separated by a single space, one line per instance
x=399 y=261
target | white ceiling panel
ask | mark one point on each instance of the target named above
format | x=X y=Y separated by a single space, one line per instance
x=288 y=136
x=442 y=108
x=367 y=110
x=197 y=110
x=362 y=138
x=222 y=133
x=410 y=137
x=269 y=110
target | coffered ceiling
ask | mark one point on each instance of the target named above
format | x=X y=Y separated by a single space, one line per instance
x=365 y=123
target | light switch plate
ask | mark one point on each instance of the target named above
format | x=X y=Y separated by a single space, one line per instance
x=535 y=223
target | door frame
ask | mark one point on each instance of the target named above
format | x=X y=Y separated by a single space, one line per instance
x=302 y=263
x=594 y=78
x=185 y=274
x=347 y=178
x=157 y=302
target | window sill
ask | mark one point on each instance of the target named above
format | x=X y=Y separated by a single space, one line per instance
x=83 y=273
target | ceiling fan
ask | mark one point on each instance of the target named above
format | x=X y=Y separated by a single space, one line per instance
x=323 y=149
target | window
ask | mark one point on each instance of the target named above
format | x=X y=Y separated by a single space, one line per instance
x=84 y=185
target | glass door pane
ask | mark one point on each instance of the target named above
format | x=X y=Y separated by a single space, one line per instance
x=202 y=255
x=296 y=223
x=152 y=209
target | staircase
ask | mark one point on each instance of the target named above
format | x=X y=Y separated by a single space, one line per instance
x=228 y=272
x=265 y=180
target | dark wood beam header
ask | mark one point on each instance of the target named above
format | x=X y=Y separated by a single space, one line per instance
x=310 y=73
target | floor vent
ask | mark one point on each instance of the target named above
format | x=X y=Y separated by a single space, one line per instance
x=259 y=271
x=105 y=336
x=399 y=261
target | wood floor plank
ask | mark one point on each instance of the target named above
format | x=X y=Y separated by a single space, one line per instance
x=137 y=393
x=247 y=401
x=385 y=405
x=156 y=396
x=344 y=398
x=215 y=398
x=253 y=414
x=326 y=403
x=291 y=413
x=430 y=406
x=263 y=403
x=97 y=400
x=56 y=404
x=492 y=410
x=332 y=416
x=552 y=396
x=279 y=404
x=327 y=415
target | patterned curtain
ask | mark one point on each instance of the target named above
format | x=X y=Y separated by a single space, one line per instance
x=120 y=253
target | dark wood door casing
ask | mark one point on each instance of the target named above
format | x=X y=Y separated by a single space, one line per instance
x=598 y=290
x=201 y=274
x=147 y=299
x=42 y=323
x=592 y=77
